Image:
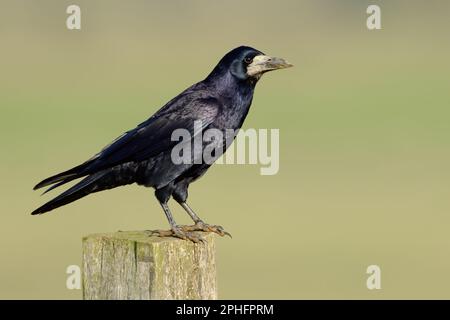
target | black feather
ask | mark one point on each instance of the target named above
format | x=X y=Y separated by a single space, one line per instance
x=81 y=189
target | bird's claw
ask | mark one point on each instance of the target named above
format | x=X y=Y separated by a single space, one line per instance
x=201 y=226
x=177 y=232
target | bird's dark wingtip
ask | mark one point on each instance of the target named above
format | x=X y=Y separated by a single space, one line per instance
x=41 y=210
x=40 y=185
x=59 y=178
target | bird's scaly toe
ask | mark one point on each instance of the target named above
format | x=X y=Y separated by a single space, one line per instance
x=177 y=232
x=201 y=226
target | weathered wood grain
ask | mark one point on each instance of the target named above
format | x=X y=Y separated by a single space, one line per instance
x=132 y=265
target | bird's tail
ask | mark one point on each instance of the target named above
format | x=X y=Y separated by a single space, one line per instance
x=86 y=186
x=66 y=176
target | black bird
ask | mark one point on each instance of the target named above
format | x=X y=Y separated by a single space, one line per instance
x=143 y=155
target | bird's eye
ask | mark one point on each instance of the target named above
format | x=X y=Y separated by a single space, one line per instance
x=248 y=60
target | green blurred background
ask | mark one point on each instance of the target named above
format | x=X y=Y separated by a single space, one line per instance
x=364 y=129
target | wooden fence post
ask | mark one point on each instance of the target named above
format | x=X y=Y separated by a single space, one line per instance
x=132 y=265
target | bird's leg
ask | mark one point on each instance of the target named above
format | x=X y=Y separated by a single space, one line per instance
x=175 y=230
x=199 y=224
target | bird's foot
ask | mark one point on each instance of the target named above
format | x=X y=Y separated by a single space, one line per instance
x=201 y=226
x=177 y=232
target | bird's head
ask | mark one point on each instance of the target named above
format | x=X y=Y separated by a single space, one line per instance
x=246 y=63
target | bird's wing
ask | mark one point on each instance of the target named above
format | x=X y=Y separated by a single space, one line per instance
x=155 y=135
x=148 y=139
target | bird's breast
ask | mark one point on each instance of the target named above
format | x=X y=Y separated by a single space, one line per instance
x=234 y=112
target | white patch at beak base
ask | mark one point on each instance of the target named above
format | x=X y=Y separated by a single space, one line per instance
x=263 y=63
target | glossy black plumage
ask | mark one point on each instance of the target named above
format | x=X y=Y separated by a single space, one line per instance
x=143 y=155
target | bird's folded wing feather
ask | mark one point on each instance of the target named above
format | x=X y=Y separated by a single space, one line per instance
x=155 y=135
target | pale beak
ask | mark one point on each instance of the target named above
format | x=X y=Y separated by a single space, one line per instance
x=263 y=63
